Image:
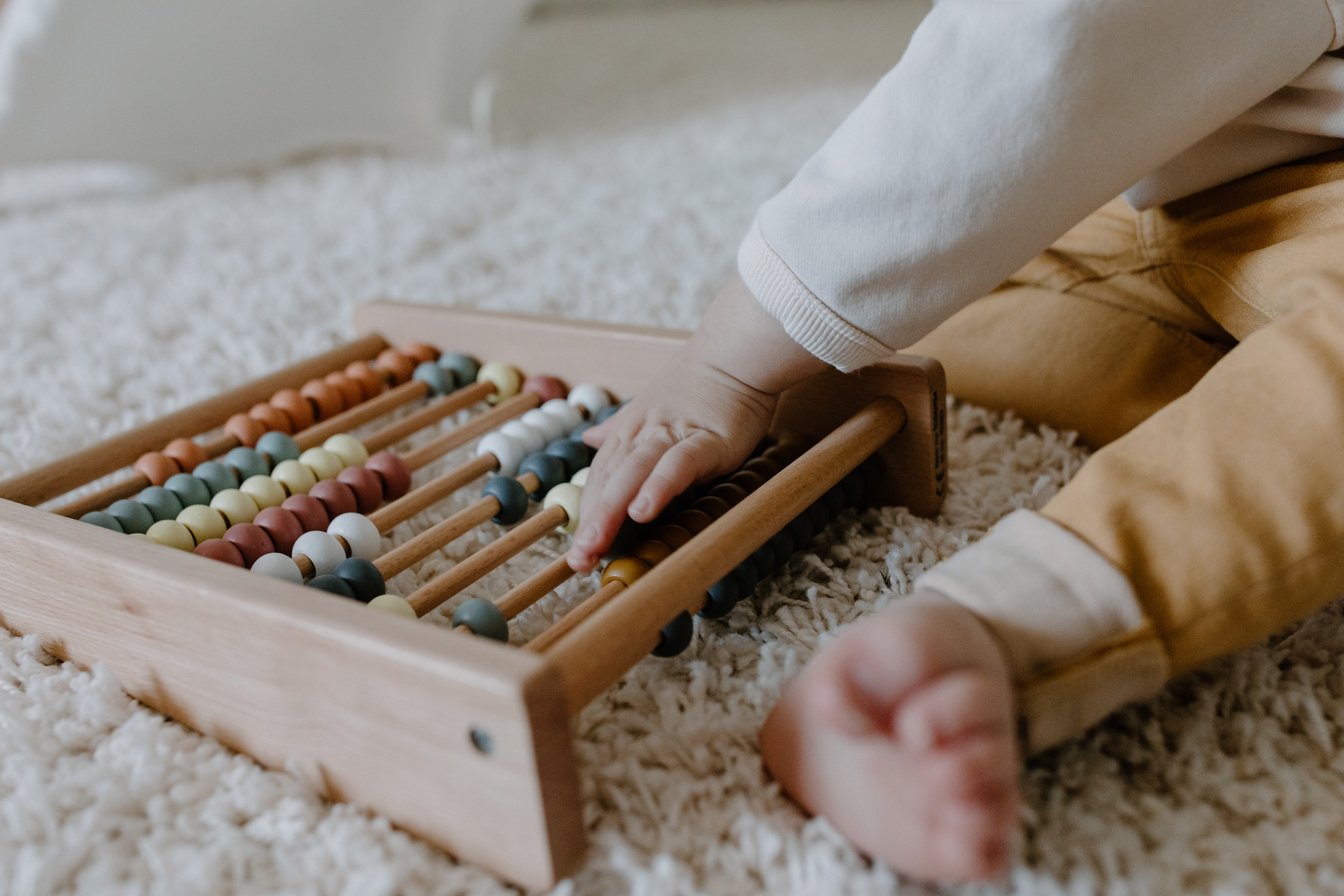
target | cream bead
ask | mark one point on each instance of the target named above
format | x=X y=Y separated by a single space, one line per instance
x=265 y=491
x=324 y=464
x=550 y=426
x=278 y=566
x=531 y=438
x=390 y=603
x=360 y=533
x=203 y=522
x=507 y=451
x=321 y=549
x=349 y=449
x=235 y=506
x=580 y=478
x=562 y=410
x=172 y=534
x=506 y=379
x=294 y=476
x=589 y=397
x=565 y=495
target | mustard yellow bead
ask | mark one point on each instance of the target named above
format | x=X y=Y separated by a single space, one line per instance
x=324 y=464
x=235 y=506
x=294 y=476
x=203 y=522
x=397 y=606
x=172 y=534
x=506 y=379
x=565 y=495
x=625 y=570
x=349 y=449
x=265 y=491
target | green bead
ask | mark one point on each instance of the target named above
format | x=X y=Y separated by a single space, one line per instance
x=247 y=462
x=439 y=381
x=100 y=518
x=133 y=516
x=278 y=446
x=216 y=476
x=189 y=489
x=362 y=577
x=483 y=618
x=332 y=585
x=463 y=367
x=162 y=503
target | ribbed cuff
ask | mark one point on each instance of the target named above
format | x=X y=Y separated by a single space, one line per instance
x=807 y=319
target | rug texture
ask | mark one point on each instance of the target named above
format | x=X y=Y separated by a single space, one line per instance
x=632 y=150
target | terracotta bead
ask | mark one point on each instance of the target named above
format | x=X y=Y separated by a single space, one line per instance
x=272 y=418
x=313 y=516
x=188 y=454
x=296 y=407
x=396 y=365
x=156 y=467
x=367 y=486
x=336 y=497
x=219 y=549
x=352 y=393
x=393 y=474
x=626 y=570
x=371 y=381
x=245 y=429
x=326 y=399
x=282 y=525
x=419 y=352
x=545 y=387
x=251 y=540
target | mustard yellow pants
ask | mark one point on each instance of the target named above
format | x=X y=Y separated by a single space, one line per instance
x=1200 y=347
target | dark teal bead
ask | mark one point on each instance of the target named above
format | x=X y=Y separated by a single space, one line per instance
x=574 y=454
x=511 y=496
x=363 y=578
x=463 y=367
x=162 y=503
x=247 y=462
x=722 y=596
x=817 y=516
x=782 y=544
x=190 y=490
x=853 y=488
x=834 y=499
x=549 y=470
x=332 y=584
x=103 y=519
x=482 y=618
x=216 y=476
x=578 y=431
x=133 y=516
x=676 y=636
x=747 y=579
x=801 y=530
x=606 y=413
x=439 y=380
x=278 y=446
x=763 y=559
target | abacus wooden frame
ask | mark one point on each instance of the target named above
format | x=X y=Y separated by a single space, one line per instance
x=463 y=742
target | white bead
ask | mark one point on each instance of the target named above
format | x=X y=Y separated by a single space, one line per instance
x=349 y=449
x=580 y=478
x=390 y=603
x=589 y=397
x=549 y=426
x=509 y=452
x=529 y=437
x=563 y=411
x=359 y=532
x=321 y=549
x=278 y=566
x=565 y=495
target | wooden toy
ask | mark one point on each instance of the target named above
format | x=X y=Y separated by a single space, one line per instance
x=463 y=741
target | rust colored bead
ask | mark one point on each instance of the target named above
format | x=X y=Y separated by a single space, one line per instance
x=392 y=472
x=251 y=540
x=312 y=513
x=352 y=393
x=367 y=486
x=749 y=480
x=158 y=468
x=728 y=492
x=419 y=352
x=336 y=496
x=371 y=381
x=272 y=418
x=625 y=570
x=296 y=407
x=245 y=429
x=283 y=526
x=219 y=549
x=187 y=453
x=545 y=387
x=714 y=506
x=396 y=365
x=672 y=535
x=652 y=552
x=694 y=521
x=326 y=399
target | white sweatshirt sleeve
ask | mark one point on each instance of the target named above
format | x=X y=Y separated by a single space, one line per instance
x=1004 y=124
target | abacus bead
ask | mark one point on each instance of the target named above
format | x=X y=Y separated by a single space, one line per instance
x=590 y=398
x=508 y=452
x=764 y=560
x=721 y=598
x=246 y=462
x=746 y=576
x=419 y=351
x=161 y=503
x=530 y=438
x=395 y=364
x=676 y=636
x=251 y=540
x=216 y=476
x=783 y=546
x=219 y=549
x=439 y=381
x=133 y=516
x=762 y=466
x=572 y=453
x=336 y=497
x=853 y=487
x=203 y=522
x=834 y=500
x=190 y=489
x=549 y=470
x=694 y=521
x=626 y=570
x=673 y=536
x=245 y=429
x=463 y=367
x=278 y=446
x=102 y=519
x=323 y=463
x=349 y=449
x=235 y=506
x=188 y=454
x=728 y=492
x=482 y=618
x=563 y=412
x=370 y=381
x=801 y=530
x=282 y=526
x=748 y=480
x=391 y=603
x=511 y=496
x=352 y=393
x=506 y=379
x=817 y=516
x=544 y=387
x=294 y=476
x=359 y=532
x=173 y=534
x=363 y=578
x=565 y=495
x=550 y=427
x=312 y=516
x=713 y=506
x=327 y=400
x=271 y=417
x=332 y=585
x=264 y=490
x=652 y=552
x=606 y=413
x=158 y=468
x=321 y=549
x=392 y=471
x=580 y=478
x=366 y=484
x=296 y=408
x=278 y=566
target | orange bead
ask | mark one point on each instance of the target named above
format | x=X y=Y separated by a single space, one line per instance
x=274 y=419
x=296 y=407
x=352 y=393
x=625 y=570
x=245 y=429
x=158 y=468
x=397 y=366
x=187 y=453
x=327 y=400
x=371 y=381
x=419 y=352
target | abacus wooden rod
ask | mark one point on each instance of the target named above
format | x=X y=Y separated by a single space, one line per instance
x=58 y=477
x=628 y=629
x=544 y=642
x=537 y=586
x=430 y=414
x=389 y=516
x=501 y=413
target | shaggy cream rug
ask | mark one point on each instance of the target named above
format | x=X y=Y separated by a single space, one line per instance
x=633 y=149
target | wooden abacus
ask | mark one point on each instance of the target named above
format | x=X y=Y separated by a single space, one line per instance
x=463 y=741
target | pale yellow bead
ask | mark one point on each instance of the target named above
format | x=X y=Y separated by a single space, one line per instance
x=141 y=535
x=203 y=522
x=506 y=379
x=565 y=495
x=172 y=534
x=390 y=603
x=235 y=506
x=265 y=491
x=294 y=476
x=324 y=464
x=580 y=478
x=349 y=449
